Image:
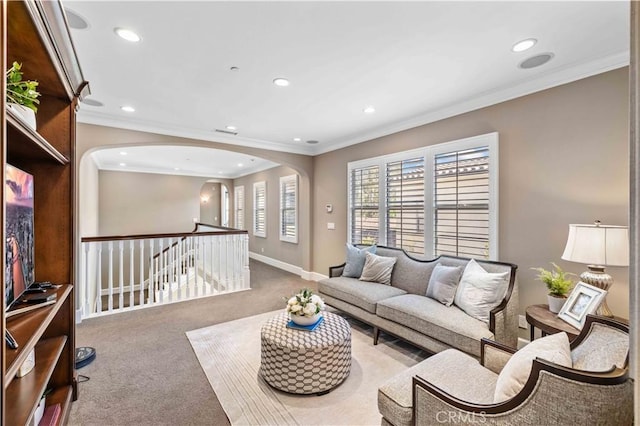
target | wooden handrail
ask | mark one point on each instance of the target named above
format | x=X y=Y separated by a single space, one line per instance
x=225 y=231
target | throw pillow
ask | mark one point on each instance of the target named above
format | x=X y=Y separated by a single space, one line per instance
x=554 y=348
x=377 y=268
x=480 y=291
x=443 y=283
x=355 y=260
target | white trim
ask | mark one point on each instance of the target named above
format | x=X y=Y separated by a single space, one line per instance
x=316 y=276
x=522 y=343
x=278 y=264
x=78 y=316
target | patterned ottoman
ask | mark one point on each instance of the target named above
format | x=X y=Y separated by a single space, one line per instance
x=305 y=362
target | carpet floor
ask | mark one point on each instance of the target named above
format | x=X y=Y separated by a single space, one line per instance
x=248 y=400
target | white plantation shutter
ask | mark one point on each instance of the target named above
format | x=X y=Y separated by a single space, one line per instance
x=440 y=199
x=260 y=209
x=239 y=205
x=364 y=205
x=405 y=205
x=288 y=209
x=462 y=203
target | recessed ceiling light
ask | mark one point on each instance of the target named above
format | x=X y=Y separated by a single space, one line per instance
x=536 y=61
x=282 y=82
x=231 y=128
x=239 y=164
x=128 y=108
x=128 y=35
x=176 y=168
x=297 y=139
x=234 y=69
x=123 y=153
x=123 y=164
x=312 y=142
x=369 y=110
x=523 y=45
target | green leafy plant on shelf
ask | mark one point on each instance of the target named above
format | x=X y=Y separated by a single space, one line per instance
x=21 y=92
x=558 y=282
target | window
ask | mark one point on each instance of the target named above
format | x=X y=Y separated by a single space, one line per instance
x=440 y=199
x=363 y=202
x=260 y=209
x=289 y=208
x=239 y=206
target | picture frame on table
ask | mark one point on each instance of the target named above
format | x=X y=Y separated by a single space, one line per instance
x=583 y=300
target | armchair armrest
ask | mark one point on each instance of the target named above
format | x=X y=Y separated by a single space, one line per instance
x=336 y=271
x=494 y=355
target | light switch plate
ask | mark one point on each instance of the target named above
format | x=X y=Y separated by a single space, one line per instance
x=331 y=225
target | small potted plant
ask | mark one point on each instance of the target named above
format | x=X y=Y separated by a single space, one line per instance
x=22 y=96
x=304 y=308
x=559 y=285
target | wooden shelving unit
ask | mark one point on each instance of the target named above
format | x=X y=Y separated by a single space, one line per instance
x=34 y=33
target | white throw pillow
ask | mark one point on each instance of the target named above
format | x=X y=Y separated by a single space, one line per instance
x=480 y=291
x=443 y=283
x=554 y=348
x=377 y=268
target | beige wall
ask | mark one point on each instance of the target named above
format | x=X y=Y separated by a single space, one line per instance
x=89 y=214
x=271 y=246
x=563 y=159
x=146 y=203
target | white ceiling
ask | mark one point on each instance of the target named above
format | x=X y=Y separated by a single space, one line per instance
x=415 y=62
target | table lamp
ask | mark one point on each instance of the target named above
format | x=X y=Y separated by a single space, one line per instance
x=598 y=246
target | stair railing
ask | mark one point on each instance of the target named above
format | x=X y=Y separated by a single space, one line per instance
x=121 y=273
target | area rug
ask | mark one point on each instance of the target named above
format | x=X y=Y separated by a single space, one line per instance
x=229 y=354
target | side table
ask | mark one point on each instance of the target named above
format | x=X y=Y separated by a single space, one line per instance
x=540 y=316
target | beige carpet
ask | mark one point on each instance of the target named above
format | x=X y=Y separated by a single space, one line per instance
x=229 y=354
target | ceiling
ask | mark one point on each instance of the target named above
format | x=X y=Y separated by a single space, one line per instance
x=415 y=62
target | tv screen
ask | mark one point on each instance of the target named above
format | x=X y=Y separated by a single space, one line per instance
x=19 y=273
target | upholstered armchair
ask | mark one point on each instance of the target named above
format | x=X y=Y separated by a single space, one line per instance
x=452 y=387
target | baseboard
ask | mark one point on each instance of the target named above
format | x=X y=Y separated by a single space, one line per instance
x=278 y=264
x=316 y=276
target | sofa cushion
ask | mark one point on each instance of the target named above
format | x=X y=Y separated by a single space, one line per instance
x=362 y=294
x=408 y=274
x=449 y=370
x=443 y=283
x=355 y=260
x=377 y=269
x=480 y=291
x=449 y=325
x=514 y=374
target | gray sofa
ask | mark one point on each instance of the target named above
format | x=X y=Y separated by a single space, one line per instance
x=403 y=310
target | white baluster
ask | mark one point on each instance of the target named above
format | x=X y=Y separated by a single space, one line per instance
x=99 y=280
x=110 y=282
x=121 y=275
x=131 y=273
x=142 y=273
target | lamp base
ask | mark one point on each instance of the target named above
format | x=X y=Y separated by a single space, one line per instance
x=598 y=278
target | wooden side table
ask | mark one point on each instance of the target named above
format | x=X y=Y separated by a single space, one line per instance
x=540 y=316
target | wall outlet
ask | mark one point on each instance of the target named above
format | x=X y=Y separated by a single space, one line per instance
x=262 y=250
x=522 y=322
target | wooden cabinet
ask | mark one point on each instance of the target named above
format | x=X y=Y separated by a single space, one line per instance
x=35 y=34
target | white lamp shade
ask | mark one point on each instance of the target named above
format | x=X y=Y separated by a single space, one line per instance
x=603 y=245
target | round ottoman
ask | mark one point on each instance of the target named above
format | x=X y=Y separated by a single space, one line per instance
x=305 y=362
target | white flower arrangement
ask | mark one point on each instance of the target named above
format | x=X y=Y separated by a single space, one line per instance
x=305 y=304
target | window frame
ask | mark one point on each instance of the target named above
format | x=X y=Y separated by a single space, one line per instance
x=256 y=231
x=284 y=180
x=428 y=153
x=238 y=206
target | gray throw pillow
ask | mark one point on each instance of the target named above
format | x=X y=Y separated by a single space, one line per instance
x=355 y=260
x=443 y=283
x=377 y=269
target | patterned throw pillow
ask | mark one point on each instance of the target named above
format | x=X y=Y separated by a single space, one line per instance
x=355 y=260
x=443 y=283
x=378 y=269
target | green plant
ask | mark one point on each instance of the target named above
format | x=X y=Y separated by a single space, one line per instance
x=557 y=280
x=21 y=92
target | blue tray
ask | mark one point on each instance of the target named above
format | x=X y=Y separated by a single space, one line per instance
x=310 y=327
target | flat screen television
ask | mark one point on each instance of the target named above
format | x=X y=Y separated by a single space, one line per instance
x=19 y=232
